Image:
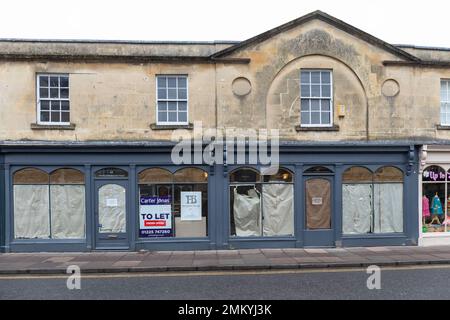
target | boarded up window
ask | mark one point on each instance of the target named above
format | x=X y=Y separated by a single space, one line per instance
x=66 y=176
x=357 y=175
x=30 y=176
x=191 y=175
x=318 y=204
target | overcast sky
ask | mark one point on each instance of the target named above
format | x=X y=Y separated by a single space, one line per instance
x=395 y=21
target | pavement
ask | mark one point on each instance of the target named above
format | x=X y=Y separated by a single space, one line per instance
x=221 y=260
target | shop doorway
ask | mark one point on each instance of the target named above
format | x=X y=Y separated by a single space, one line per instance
x=111 y=212
x=319 y=220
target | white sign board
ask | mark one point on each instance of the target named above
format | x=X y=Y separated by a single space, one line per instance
x=112 y=203
x=191 y=206
x=317 y=201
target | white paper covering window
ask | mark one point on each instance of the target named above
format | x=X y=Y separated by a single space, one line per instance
x=112 y=209
x=357 y=208
x=278 y=209
x=388 y=208
x=67 y=211
x=247 y=213
x=31 y=212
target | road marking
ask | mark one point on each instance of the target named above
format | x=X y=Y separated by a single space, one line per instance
x=216 y=273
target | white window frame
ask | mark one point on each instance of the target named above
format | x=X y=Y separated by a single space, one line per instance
x=38 y=99
x=329 y=125
x=169 y=123
x=446 y=102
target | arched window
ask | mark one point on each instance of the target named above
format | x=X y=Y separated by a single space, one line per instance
x=67 y=176
x=111 y=173
x=245 y=175
x=191 y=175
x=318 y=170
x=357 y=175
x=49 y=206
x=30 y=176
x=182 y=196
x=372 y=202
x=282 y=175
x=261 y=205
x=155 y=175
x=388 y=174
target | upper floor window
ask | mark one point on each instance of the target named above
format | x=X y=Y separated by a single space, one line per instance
x=316 y=98
x=172 y=99
x=445 y=102
x=53 y=106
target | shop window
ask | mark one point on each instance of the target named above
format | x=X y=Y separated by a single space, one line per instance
x=173 y=205
x=435 y=200
x=372 y=202
x=261 y=205
x=49 y=206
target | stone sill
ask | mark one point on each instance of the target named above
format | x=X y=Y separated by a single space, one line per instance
x=155 y=126
x=35 y=126
x=301 y=129
x=441 y=127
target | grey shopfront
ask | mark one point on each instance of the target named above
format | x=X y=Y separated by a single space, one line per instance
x=84 y=197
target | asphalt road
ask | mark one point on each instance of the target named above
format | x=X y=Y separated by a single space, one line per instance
x=396 y=283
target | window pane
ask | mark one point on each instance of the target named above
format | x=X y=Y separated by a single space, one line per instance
x=356 y=208
x=55 y=117
x=172 y=106
x=388 y=207
x=182 y=106
x=172 y=82
x=55 y=105
x=182 y=116
x=325 y=105
x=54 y=93
x=305 y=91
x=112 y=219
x=172 y=117
x=326 y=77
x=172 y=93
x=318 y=214
x=315 y=117
x=162 y=82
x=54 y=81
x=244 y=175
x=67 y=211
x=162 y=106
x=305 y=105
x=65 y=105
x=182 y=82
x=65 y=93
x=182 y=94
x=162 y=94
x=315 y=105
x=31 y=176
x=315 y=90
x=43 y=92
x=305 y=77
x=45 y=116
x=31 y=212
x=326 y=118
x=315 y=77
x=278 y=216
x=306 y=118
x=43 y=81
x=191 y=175
x=65 y=117
x=64 y=81
x=45 y=105
x=162 y=116
x=357 y=175
x=326 y=91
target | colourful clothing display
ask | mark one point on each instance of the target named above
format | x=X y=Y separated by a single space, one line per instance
x=425 y=207
x=436 y=207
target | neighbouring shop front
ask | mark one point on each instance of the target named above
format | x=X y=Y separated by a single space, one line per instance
x=434 y=202
x=84 y=197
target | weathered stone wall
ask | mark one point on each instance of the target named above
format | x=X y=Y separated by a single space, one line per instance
x=117 y=100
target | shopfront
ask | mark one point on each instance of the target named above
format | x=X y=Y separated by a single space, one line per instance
x=434 y=202
x=130 y=198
